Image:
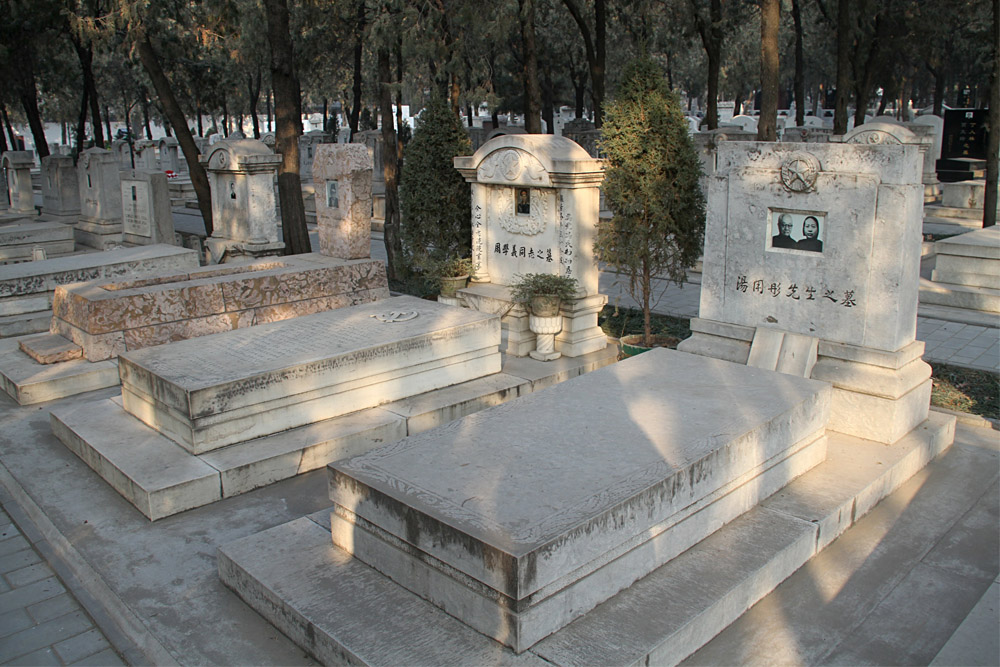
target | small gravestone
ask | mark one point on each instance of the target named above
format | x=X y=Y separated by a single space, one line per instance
x=17 y=168
x=146 y=208
x=145 y=155
x=373 y=140
x=123 y=152
x=100 y=223
x=241 y=175
x=343 y=177
x=535 y=206
x=308 y=143
x=812 y=257
x=171 y=158
x=60 y=186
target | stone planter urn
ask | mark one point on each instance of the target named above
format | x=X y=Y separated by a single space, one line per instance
x=451 y=284
x=545 y=322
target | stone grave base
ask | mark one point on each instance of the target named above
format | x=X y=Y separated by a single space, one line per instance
x=966 y=272
x=334 y=606
x=878 y=395
x=27 y=381
x=580 y=333
x=521 y=518
x=26 y=289
x=161 y=478
x=217 y=390
x=17 y=241
x=98 y=234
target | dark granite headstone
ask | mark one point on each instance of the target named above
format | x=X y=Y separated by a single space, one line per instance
x=964 y=133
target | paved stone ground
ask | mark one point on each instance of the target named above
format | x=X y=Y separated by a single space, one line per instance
x=41 y=622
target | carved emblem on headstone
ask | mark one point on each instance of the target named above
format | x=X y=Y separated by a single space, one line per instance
x=220 y=160
x=799 y=172
x=396 y=316
x=529 y=225
x=511 y=165
x=874 y=137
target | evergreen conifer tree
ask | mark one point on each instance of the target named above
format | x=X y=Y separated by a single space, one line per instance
x=434 y=197
x=651 y=185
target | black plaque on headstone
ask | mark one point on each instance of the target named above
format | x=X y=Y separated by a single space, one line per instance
x=964 y=134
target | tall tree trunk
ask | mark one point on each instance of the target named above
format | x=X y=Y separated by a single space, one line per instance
x=225 y=115
x=710 y=31
x=993 y=138
x=359 y=33
x=289 y=127
x=81 y=125
x=770 y=18
x=938 y=91
x=393 y=242
x=253 y=88
x=398 y=53
x=529 y=73
x=7 y=126
x=199 y=180
x=548 y=100
x=144 y=100
x=3 y=136
x=85 y=54
x=596 y=49
x=799 y=79
x=267 y=101
x=843 y=66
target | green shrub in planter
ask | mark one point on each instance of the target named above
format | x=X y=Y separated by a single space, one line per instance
x=531 y=286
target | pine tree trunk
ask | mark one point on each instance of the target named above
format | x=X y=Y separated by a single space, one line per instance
x=81 y=125
x=799 y=82
x=359 y=34
x=770 y=18
x=151 y=63
x=843 y=66
x=393 y=242
x=532 y=91
x=289 y=127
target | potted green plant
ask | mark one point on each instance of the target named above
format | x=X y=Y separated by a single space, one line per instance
x=542 y=294
x=453 y=274
x=651 y=186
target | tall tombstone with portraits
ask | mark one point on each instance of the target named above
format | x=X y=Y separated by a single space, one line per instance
x=244 y=213
x=812 y=266
x=535 y=206
x=100 y=223
x=343 y=177
x=17 y=171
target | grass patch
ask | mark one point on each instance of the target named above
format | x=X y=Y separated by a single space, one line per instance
x=618 y=322
x=966 y=390
x=955 y=388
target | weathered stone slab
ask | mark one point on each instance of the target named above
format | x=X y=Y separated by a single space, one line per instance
x=18 y=240
x=146 y=216
x=27 y=381
x=343 y=173
x=50 y=349
x=523 y=502
x=664 y=617
x=217 y=390
x=108 y=318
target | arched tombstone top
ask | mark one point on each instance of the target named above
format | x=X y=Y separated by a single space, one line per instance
x=880 y=132
x=166 y=142
x=531 y=160
x=95 y=155
x=240 y=155
x=18 y=160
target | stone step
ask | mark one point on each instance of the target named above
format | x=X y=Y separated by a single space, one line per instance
x=332 y=605
x=161 y=478
x=21 y=324
x=50 y=349
x=938 y=211
x=28 y=382
x=960 y=296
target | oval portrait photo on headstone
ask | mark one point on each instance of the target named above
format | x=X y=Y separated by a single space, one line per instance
x=802 y=231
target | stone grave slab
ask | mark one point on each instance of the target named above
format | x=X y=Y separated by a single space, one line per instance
x=19 y=239
x=216 y=390
x=966 y=274
x=27 y=382
x=100 y=222
x=523 y=517
x=26 y=289
x=107 y=318
x=17 y=167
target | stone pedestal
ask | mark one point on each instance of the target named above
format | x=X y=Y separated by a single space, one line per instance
x=241 y=175
x=545 y=330
x=60 y=186
x=17 y=167
x=343 y=177
x=100 y=223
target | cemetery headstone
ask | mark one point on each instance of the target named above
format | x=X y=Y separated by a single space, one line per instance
x=342 y=173
x=146 y=216
x=308 y=143
x=806 y=135
x=844 y=283
x=171 y=159
x=145 y=155
x=373 y=140
x=123 y=152
x=963 y=145
x=60 y=187
x=535 y=206
x=17 y=168
x=100 y=223
x=241 y=175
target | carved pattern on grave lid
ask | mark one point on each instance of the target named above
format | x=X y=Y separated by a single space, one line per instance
x=799 y=172
x=512 y=165
x=396 y=316
x=528 y=225
x=874 y=137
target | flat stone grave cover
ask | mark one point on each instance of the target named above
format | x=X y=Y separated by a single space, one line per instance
x=216 y=390
x=520 y=518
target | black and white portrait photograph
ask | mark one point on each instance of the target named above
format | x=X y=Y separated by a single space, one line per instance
x=796 y=231
x=332 y=196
